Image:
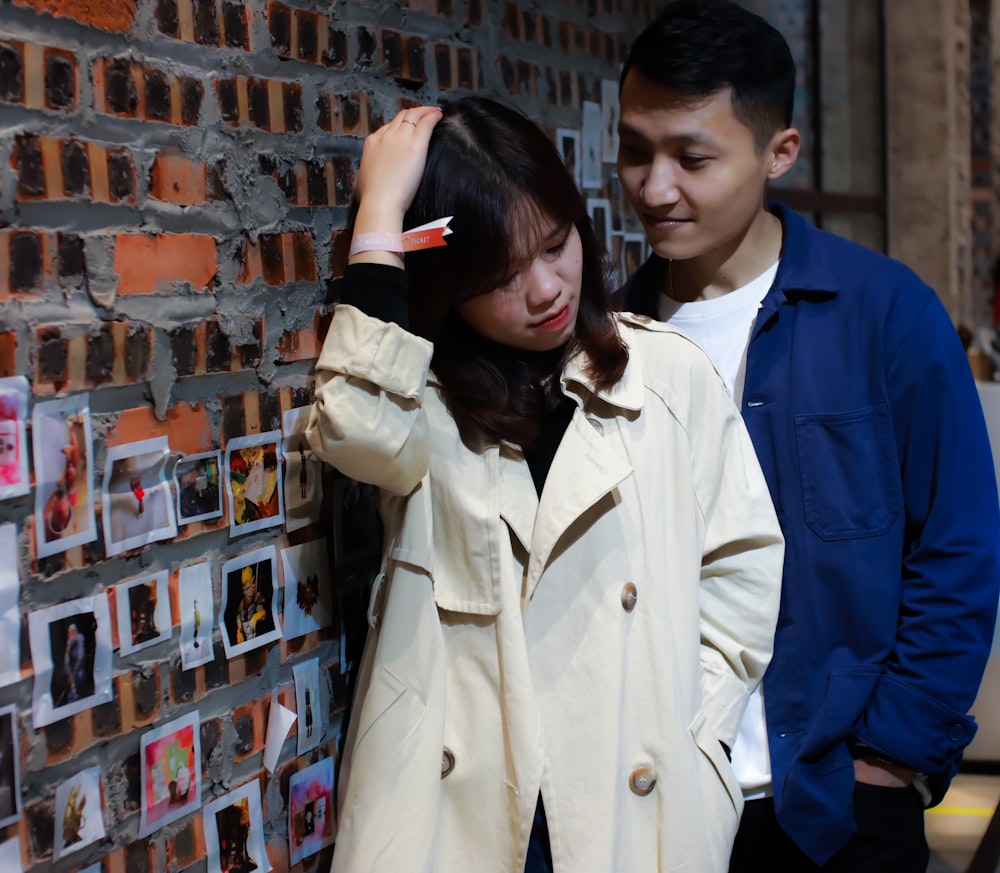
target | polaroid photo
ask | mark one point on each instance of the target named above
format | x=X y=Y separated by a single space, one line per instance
x=143 y=607
x=357 y=526
x=307 y=704
x=311 y=821
x=235 y=823
x=71 y=650
x=197 y=604
x=249 y=609
x=303 y=472
x=199 y=487
x=632 y=253
x=617 y=244
x=138 y=505
x=568 y=144
x=79 y=813
x=609 y=121
x=253 y=483
x=591 y=145
x=10 y=612
x=307 y=587
x=10 y=767
x=10 y=857
x=14 y=479
x=63 y=452
x=170 y=758
x=599 y=210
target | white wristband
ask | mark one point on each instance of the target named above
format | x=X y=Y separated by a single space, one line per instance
x=427 y=236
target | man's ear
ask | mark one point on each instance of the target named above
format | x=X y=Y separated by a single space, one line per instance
x=783 y=150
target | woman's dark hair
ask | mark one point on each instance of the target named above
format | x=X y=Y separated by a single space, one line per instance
x=699 y=47
x=496 y=173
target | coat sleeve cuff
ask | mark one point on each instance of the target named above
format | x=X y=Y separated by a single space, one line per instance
x=382 y=353
x=906 y=725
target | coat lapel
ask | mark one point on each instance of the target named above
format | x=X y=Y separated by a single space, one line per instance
x=518 y=499
x=590 y=463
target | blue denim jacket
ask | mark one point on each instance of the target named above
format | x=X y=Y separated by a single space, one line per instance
x=864 y=414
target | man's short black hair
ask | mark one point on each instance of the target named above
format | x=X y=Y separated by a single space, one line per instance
x=700 y=47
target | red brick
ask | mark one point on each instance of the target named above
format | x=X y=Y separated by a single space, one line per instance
x=146 y=264
x=8 y=354
x=177 y=179
x=187 y=426
x=113 y=16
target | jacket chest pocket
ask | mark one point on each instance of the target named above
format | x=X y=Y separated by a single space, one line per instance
x=849 y=472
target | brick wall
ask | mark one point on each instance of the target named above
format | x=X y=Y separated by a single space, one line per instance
x=174 y=177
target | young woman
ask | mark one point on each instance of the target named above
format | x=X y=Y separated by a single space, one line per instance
x=581 y=567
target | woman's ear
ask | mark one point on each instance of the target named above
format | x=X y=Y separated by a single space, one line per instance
x=783 y=150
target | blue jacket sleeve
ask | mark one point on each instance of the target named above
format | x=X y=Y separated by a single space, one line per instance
x=951 y=563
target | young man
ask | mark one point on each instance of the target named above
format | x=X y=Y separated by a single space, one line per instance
x=865 y=417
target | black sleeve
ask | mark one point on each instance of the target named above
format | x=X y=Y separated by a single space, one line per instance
x=378 y=290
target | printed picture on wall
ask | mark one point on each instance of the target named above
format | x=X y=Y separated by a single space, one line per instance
x=10 y=767
x=357 y=527
x=143 y=607
x=307 y=586
x=609 y=121
x=71 y=649
x=14 y=392
x=10 y=612
x=307 y=703
x=303 y=472
x=170 y=758
x=199 y=487
x=138 y=506
x=194 y=590
x=79 y=813
x=64 y=474
x=249 y=601
x=10 y=857
x=311 y=822
x=234 y=832
x=599 y=209
x=632 y=253
x=568 y=143
x=591 y=145
x=253 y=481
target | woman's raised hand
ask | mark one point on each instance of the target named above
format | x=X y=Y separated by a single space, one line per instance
x=392 y=164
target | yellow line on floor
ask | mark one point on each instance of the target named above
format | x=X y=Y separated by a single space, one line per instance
x=961 y=810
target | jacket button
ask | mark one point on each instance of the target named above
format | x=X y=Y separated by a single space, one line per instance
x=596 y=424
x=643 y=319
x=642 y=781
x=956 y=733
x=447 y=762
x=629 y=596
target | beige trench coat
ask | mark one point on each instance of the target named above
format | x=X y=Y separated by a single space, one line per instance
x=595 y=645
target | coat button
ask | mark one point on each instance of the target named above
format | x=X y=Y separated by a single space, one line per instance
x=596 y=424
x=629 y=596
x=642 y=781
x=447 y=762
x=642 y=319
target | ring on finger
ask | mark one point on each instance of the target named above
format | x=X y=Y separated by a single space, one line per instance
x=407 y=121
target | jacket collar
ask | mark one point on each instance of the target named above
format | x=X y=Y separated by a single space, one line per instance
x=627 y=393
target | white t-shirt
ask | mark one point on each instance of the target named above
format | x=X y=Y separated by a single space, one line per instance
x=722 y=327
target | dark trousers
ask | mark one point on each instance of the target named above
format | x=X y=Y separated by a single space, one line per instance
x=890 y=837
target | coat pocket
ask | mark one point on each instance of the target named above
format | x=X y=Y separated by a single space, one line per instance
x=715 y=765
x=389 y=713
x=849 y=472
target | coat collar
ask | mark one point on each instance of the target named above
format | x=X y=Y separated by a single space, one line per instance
x=627 y=393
